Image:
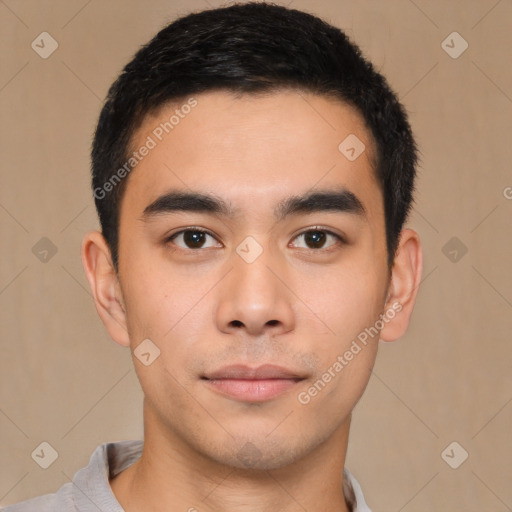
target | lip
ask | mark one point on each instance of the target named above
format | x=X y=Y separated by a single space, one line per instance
x=265 y=371
x=248 y=384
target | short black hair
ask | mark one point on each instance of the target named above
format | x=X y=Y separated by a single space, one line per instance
x=251 y=48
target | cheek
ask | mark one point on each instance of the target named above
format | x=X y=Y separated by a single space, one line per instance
x=168 y=311
x=148 y=302
x=167 y=305
x=332 y=395
x=153 y=294
x=346 y=300
x=349 y=305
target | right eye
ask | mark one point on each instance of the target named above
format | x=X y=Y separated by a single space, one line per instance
x=191 y=239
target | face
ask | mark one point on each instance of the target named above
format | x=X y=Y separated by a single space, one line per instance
x=254 y=294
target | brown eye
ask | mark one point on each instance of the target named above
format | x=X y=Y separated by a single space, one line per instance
x=317 y=239
x=192 y=239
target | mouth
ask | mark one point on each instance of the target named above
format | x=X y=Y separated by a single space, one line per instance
x=246 y=384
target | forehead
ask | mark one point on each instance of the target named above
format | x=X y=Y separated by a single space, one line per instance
x=252 y=150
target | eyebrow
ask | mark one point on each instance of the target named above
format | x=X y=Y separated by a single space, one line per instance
x=338 y=200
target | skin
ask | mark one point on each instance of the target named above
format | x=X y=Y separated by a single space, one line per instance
x=296 y=305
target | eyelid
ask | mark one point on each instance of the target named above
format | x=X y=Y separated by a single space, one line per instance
x=190 y=228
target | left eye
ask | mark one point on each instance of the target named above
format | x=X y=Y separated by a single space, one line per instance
x=317 y=238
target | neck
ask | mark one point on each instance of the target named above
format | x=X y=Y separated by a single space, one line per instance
x=170 y=475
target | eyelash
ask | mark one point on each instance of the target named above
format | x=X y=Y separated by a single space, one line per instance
x=339 y=238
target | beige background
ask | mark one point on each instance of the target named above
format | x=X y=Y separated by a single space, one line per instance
x=450 y=379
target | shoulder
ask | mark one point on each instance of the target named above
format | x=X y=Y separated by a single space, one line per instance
x=90 y=485
x=61 y=501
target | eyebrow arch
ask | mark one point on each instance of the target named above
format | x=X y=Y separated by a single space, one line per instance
x=339 y=200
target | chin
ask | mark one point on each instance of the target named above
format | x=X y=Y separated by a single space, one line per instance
x=258 y=454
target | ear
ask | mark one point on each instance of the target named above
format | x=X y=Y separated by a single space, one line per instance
x=403 y=287
x=105 y=287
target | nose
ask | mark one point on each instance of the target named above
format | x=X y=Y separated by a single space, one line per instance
x=255 y=297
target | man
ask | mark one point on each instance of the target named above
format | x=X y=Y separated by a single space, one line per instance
x=252 y=175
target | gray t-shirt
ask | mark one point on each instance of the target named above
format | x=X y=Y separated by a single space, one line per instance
x=90 y=490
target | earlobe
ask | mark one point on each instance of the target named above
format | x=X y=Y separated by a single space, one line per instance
x=403 y=287
x=104 y=284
